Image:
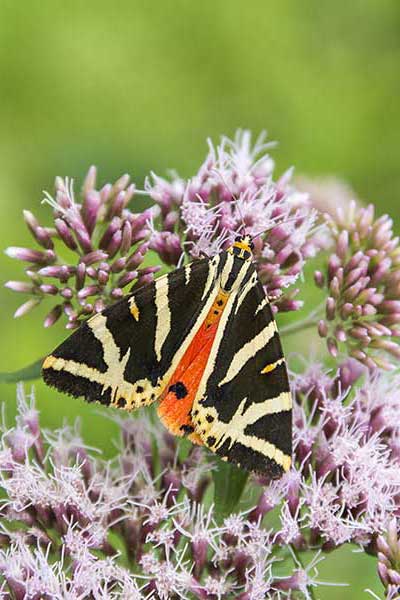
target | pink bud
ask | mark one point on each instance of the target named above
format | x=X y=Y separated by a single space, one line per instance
x=93 y=257
x=83 y=238
x=120 y=184
x=67 y=293
x=114 y=244
x=342 y=246
x=20 y=286
x=322 y=328
x=126 y=237
x=65 y=234
x=114 y=226
x=319 y=279
x=80 y=276
x=394 y=577
x=117 y=205
x=25 y=308
x=102 y=277
x=330 y=308
x=332 y=347
x=26 y=254
x=127 y=278
x=89 y=290
x=99 y=305
x=53 y=316
x=48 y=288
x=390 y=306
x=340 y=334
x=105 y=192
x=346 y=310
x=90 y=180
x=60 y=272
x=119 y=264
x=117 y=293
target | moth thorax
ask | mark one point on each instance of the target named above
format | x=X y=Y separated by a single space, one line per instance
x=242 y=247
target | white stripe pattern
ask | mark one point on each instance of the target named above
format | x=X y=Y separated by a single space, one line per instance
x=217 y=341
x=163 y=314
x=262 y=305
x=249 y=350
x=212 y=269
x=249 y=285
x=187 y=274
x=234 y=431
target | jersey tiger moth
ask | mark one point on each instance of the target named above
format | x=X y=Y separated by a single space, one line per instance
x=203 y=343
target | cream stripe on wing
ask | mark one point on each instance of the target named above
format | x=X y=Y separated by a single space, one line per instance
x=262 y=305
x=187 y=273
x=212 y=269
x=249 y=350
x=119 y=389
x=234 y=431
x=227 y=269
x=246 y=289
x=163 y=313
x=217 y=341
x=111 y=352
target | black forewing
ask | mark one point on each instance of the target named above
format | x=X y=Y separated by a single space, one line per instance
x=133 y=338
x=249 y=383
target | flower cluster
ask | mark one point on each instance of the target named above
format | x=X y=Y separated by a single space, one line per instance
x=140 y=525
x=362 y=279
x=143 y=525
x=105 y=242
x=232 y=193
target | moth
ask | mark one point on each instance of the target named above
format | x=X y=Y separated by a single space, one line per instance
x=200 y=341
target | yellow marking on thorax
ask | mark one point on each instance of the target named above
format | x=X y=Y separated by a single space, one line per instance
x=242 y=246
x=134 y=309
x=271 y=366
x=217 y=307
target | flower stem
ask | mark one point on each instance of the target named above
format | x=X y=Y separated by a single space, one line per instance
x=310 y=321
x=298 y=326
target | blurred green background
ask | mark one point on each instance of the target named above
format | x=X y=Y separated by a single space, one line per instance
x=132 y=86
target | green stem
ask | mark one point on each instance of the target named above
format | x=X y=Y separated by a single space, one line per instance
x=28 y=373
x=298 y=326
x=310 y=321
x=229 y=482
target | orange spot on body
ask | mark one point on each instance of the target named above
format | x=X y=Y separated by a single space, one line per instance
x=174 y=408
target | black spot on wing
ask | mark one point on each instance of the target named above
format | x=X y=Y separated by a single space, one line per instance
x=187 y=429
x=179 y=389
x=275 y=428
x=83 y=347
x=76 y=386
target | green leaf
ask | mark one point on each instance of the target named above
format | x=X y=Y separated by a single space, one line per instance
x=32 y=371
x=229 y=483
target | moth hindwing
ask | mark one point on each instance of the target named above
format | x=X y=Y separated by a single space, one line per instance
x=203 y=342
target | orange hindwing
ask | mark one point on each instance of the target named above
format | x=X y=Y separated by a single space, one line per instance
x=176 y=404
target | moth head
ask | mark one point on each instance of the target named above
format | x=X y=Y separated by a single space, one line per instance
x=242 y=247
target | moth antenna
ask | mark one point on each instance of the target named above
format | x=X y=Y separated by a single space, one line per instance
x=236 y=199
